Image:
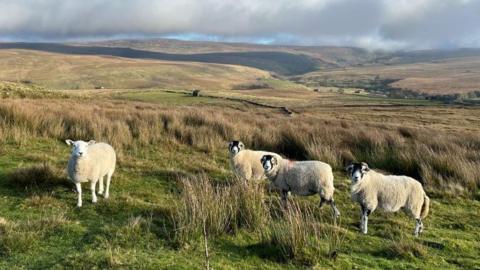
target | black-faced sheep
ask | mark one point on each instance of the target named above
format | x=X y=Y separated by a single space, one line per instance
x=388 y=192
x=303 y=178
x=246 y=163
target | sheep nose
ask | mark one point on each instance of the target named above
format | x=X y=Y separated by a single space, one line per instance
x=80 y=153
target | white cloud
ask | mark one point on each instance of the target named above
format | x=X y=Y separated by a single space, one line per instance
x=392 y=24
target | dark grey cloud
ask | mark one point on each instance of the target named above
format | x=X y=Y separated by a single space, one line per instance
x=389 y=24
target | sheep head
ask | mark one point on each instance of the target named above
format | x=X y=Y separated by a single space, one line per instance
x=79 y=148
x=268 y=162
x=357 y=170
x=235 y=146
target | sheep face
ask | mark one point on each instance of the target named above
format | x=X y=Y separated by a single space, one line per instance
x=356 y=171
x=235 y=146
x=268 y=162
x=79 y=148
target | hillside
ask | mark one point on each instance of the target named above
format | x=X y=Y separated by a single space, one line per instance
x=328 y=56
x=283 y=63
x=447 y=76
x=64 y=71
x=173 y=163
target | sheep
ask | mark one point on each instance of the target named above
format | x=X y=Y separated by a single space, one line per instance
x=91 y=161
x=303 y=178
x=245 y=163
x=389 y=192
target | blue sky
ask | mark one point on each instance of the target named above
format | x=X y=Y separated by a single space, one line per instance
x=371 y=24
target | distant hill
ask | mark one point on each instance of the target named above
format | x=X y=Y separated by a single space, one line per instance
x=426 y=56
x=432 y=72
x=65 y=71
x=326 y=56
x=283 y=63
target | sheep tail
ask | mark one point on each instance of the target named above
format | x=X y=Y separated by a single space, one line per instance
x=425 y=206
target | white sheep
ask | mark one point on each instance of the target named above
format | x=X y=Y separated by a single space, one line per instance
x=303 y=178
x=246 y=163
x=389 y=192
x=90 y=162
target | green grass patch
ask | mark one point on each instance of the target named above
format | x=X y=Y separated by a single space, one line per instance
x=132 y=230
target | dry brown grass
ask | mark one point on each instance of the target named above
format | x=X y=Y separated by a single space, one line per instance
x=457 y=75
x=217 y=209
x=59 y=71
x=441 y=159
x=299 y=234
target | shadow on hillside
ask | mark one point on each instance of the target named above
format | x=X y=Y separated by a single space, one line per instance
x=280 y=62
x=38 y=179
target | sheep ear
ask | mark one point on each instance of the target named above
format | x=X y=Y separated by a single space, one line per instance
x=274 y=161
x=349 y=168
x=69 y=142
x=365 y=167
x=91 y=142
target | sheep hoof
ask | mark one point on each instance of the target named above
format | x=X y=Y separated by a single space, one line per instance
x=100 y=193
x=79 y=205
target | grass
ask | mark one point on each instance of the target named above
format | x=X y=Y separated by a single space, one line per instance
x=173 y=184
x=58 y=71
x=131 y=228
x=161 y=143
x=168 y=98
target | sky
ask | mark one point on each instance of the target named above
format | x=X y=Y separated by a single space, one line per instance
x=370 y=24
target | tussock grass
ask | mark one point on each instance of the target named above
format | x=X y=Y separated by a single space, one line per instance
x=152 y=221
x=299 y=234
x=302 y=236
x=406 y=247
x=37 y=178
x=222 y=209
x=438 y=159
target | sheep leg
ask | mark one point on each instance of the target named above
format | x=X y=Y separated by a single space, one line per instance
x=107 y=187
x=365 y=223
x=92 y=188
x=364 y=220
x=79 y=192
x=100 y=186
x=418 y=226
x=322 y=201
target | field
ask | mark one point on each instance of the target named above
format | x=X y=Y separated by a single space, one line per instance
x=173 y=188
x=57 y=71
x=458 y=75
